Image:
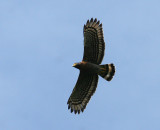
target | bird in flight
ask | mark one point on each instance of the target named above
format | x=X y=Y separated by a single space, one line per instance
x=90 y=68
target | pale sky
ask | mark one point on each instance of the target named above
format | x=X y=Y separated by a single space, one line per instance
x=41 y=39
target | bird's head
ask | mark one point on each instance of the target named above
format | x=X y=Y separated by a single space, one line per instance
x=76 y=65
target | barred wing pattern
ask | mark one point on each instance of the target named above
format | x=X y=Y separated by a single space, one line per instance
x=82 y=92
x=94 y=44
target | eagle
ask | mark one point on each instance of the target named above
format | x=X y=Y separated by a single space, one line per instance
x=90 y=68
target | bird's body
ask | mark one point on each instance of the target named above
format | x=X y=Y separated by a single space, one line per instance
x=90 y=67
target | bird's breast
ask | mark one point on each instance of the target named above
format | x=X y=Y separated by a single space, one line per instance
x=90 y=67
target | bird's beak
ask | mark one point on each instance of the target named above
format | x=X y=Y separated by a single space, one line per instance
x=74 y=65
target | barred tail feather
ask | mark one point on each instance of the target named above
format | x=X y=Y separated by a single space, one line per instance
x=107 y=71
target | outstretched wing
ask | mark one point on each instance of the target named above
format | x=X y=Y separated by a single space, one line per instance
x=94 y=44
x=82 y=92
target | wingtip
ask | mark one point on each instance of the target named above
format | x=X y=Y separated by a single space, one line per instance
x=91 y=20
x=95 y=20
x=100 y=25
x=75 y=111
x=87 y=21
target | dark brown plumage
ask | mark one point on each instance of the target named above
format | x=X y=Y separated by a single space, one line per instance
x=94 y=47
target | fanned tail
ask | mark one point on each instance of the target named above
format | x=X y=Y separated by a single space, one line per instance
x=107 y=71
